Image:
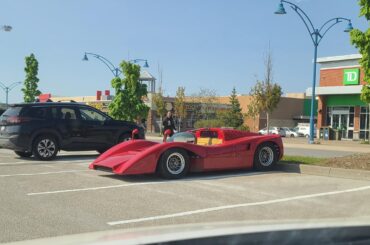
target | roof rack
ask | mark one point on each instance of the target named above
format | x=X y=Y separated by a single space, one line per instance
x=72 y=101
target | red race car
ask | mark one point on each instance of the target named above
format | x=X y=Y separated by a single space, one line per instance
x=205 y=149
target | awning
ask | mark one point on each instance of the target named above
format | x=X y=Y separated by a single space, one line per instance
x=335 y=90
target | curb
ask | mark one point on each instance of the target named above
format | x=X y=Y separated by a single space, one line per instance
x=324 y=171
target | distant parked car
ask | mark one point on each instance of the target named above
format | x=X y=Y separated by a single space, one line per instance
x=42 y=129
x=303 y=131
x=272 y=130
x=290 y=132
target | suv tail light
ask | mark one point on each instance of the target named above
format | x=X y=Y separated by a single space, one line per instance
x=17 y=120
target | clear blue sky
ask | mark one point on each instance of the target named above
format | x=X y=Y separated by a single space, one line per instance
x=214 y=44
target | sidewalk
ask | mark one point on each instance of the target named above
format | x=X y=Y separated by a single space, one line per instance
x=342 y=145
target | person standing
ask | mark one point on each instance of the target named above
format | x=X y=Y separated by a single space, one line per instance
x=168 y=123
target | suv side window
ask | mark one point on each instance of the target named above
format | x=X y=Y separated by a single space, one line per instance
x=91 y=115
x=37 y=112
x=67 y=114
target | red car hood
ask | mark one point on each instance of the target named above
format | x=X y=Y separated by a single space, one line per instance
x=121 y=154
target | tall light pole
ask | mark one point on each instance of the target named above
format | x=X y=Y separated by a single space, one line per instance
x=115 y=70
x=7 y=89
x=316 y=36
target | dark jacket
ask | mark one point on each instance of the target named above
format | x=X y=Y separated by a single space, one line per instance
x=168 y=123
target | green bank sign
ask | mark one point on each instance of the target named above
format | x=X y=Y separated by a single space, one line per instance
x=351 y=76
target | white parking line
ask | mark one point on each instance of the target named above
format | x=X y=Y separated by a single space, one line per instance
x=195 y=179
x=206 y=210
x=95 y=188
x=43 y=173
x=12 y=163
x=46 y=163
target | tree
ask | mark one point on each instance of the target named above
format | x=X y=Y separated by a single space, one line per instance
x=252 y=112
x=30 y=89
x=204 y=103
x=128 y=101
x=160 y=104
x=180 y=107
x=361 y=40
x=234 y=116
x=266 y=94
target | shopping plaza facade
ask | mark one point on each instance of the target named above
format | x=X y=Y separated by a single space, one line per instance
x=339 y=103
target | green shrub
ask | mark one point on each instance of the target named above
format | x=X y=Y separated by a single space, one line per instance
x=216 y=123
x=211 y=123
x=243 y=128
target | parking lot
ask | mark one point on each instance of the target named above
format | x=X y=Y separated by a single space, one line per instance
x=43 y=199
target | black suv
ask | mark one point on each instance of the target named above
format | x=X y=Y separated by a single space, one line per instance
x=42 y=129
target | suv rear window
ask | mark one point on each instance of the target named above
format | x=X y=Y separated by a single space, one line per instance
x=37 y=112
x=12 y=111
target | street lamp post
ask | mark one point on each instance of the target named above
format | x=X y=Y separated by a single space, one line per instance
x=316 y=36
x=115 y=70
x=7 y=89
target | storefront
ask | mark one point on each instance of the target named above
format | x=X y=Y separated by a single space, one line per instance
x=339 y=104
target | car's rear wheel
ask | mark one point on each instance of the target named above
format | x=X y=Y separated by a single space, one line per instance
x=174 y=164
x=23 y=153
x=292 y=135
x=265 y=156
x=45 y=147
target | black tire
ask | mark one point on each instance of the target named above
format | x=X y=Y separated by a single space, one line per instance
x=45 y=147
x=265 y=157
x=292 y=135
x=174 y=163
x=124 y=137
x=24 y=154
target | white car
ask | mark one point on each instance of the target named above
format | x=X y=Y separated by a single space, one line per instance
x=289 y=132
x=304 y=130
x=272 y=130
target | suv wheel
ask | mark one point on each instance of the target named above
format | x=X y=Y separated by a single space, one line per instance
x=23 y=153
x=45 y=147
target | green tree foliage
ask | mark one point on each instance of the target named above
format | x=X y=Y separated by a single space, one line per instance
x=160 y=104
x=180 y=107
x=203 y=103
x=266 y=94
x=234 y=116
x=128 y=101
x=361 y=40
x=30 y=88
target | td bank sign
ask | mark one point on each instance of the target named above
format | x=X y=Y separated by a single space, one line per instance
x=351 y=76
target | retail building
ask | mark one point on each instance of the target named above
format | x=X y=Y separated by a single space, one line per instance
x=339 y=103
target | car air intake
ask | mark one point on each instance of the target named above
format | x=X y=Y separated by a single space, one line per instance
x=105 y=169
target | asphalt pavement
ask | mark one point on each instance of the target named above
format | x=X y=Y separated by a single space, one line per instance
x=44 y=199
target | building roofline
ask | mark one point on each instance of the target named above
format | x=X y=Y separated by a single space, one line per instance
x=339 y=58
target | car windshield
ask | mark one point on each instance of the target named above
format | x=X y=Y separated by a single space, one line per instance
x=134 y=115
x=185 y=137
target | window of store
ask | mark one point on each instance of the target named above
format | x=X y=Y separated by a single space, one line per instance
x=364 y=122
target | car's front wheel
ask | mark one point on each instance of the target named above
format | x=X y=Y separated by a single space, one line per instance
x=265 y=156
x=45 y=147
x=174 y=164
x=24 y=154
